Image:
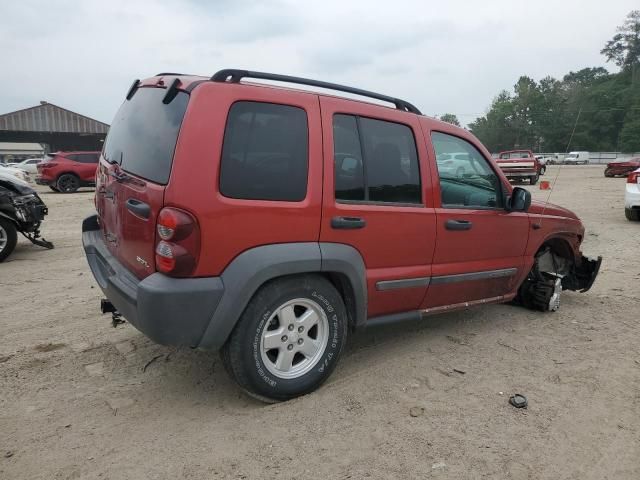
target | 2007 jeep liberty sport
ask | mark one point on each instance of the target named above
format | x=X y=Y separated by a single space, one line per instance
x=270 y=222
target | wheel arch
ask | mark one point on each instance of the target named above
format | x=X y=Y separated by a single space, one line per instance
x=341 y=264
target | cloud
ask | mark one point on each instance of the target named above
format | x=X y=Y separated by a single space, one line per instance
x=442 y=56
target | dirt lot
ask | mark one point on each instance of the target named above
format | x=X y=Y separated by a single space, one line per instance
x=80 y=399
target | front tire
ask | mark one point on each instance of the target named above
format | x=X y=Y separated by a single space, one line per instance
x=289 y=338
x=543 y=170
x=8 y=238
x=68 y=183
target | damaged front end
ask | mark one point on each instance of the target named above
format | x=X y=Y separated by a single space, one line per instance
x=23 y=207
x=582 y=275
x=552 y=273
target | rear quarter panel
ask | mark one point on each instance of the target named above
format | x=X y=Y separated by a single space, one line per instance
x=230 y=226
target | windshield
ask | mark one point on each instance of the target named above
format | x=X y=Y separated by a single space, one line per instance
x=143 y=135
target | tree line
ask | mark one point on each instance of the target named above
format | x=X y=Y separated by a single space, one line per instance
x=591 y=109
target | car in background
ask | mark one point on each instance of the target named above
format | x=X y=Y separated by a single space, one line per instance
x=543 y=162
x=519 y=165
x=576 y=158
x=29 y=165
x=15 y=172
x=65 y=172
x=453 y=164
x=621 y=169
x=632 y=196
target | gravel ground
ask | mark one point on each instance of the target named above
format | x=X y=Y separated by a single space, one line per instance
x=80 y=399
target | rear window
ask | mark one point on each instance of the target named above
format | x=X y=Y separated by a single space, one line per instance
x=143 y=135
x=265 y=152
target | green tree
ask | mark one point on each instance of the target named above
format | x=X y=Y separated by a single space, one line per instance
x=450 y=118
x=624 y=48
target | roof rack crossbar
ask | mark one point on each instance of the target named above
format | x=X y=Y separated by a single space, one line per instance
x=234 y=76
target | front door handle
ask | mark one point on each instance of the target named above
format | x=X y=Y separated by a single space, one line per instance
x=458 y=225
x=344 y=223
x=138 y=208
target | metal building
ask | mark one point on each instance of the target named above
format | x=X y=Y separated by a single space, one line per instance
x=57 y=128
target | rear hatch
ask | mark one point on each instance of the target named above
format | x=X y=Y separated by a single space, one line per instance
x=135 y=166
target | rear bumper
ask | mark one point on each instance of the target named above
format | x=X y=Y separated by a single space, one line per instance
x=170 y=311
x=42 y=181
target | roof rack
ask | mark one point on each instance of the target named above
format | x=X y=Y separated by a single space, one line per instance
x=234 y=76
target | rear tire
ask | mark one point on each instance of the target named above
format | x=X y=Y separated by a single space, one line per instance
x=534 y=180
x=632 y=214
x=68 y=183
x=8 y=238
x=276 y=351
x=55 y=189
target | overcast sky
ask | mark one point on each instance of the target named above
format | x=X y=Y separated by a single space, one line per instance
x=443 y=56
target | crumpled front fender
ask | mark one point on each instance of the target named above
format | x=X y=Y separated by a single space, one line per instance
x=582 y=275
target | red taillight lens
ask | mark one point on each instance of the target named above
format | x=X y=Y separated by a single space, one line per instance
x=179 y=243
x=634 y=177
x=45 y=165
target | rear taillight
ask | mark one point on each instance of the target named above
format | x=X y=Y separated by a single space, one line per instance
x=178 y=244
x=634 y=177
x=45 y=165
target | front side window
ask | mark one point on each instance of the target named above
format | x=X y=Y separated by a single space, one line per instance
x=466 y=178
x=265 y=152
x=375 y=161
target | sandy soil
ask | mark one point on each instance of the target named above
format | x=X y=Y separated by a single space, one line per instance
x=76 y=400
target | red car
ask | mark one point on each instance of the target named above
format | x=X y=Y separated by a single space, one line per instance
x=520 y=165
x=621 y=169
x=271 y=222
x=67 y=171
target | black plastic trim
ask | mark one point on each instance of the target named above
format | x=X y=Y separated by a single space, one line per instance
x=414 y=315
x=235 y=75
x=385 y=285
x=133 y=89
x=467 y=277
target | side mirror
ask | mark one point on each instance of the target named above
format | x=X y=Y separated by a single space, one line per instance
x=519 y=201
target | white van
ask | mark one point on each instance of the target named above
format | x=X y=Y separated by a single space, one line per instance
x=577 y=158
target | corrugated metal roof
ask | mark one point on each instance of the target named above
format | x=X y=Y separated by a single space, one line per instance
x=48 y=117
x=21 y=146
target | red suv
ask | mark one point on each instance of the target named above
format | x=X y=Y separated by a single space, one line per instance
x=270 y=222
x=67 y=171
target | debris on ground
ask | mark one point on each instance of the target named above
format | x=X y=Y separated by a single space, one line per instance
x=518 y=401
x=416 y=411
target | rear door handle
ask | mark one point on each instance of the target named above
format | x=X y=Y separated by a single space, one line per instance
x=138 y=208
x=344 y=223
x=458 y=225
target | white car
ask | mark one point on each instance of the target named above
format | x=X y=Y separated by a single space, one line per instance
x=4 y=175
x=28 y=165
x=453 y=164
x=632 y=196
x=16 y=172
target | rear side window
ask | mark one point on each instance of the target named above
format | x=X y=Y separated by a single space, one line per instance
x=87 y=158
x=375 y=161
x=143 y=135
x=265 y=152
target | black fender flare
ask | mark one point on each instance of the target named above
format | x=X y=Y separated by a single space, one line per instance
x=253 y=268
